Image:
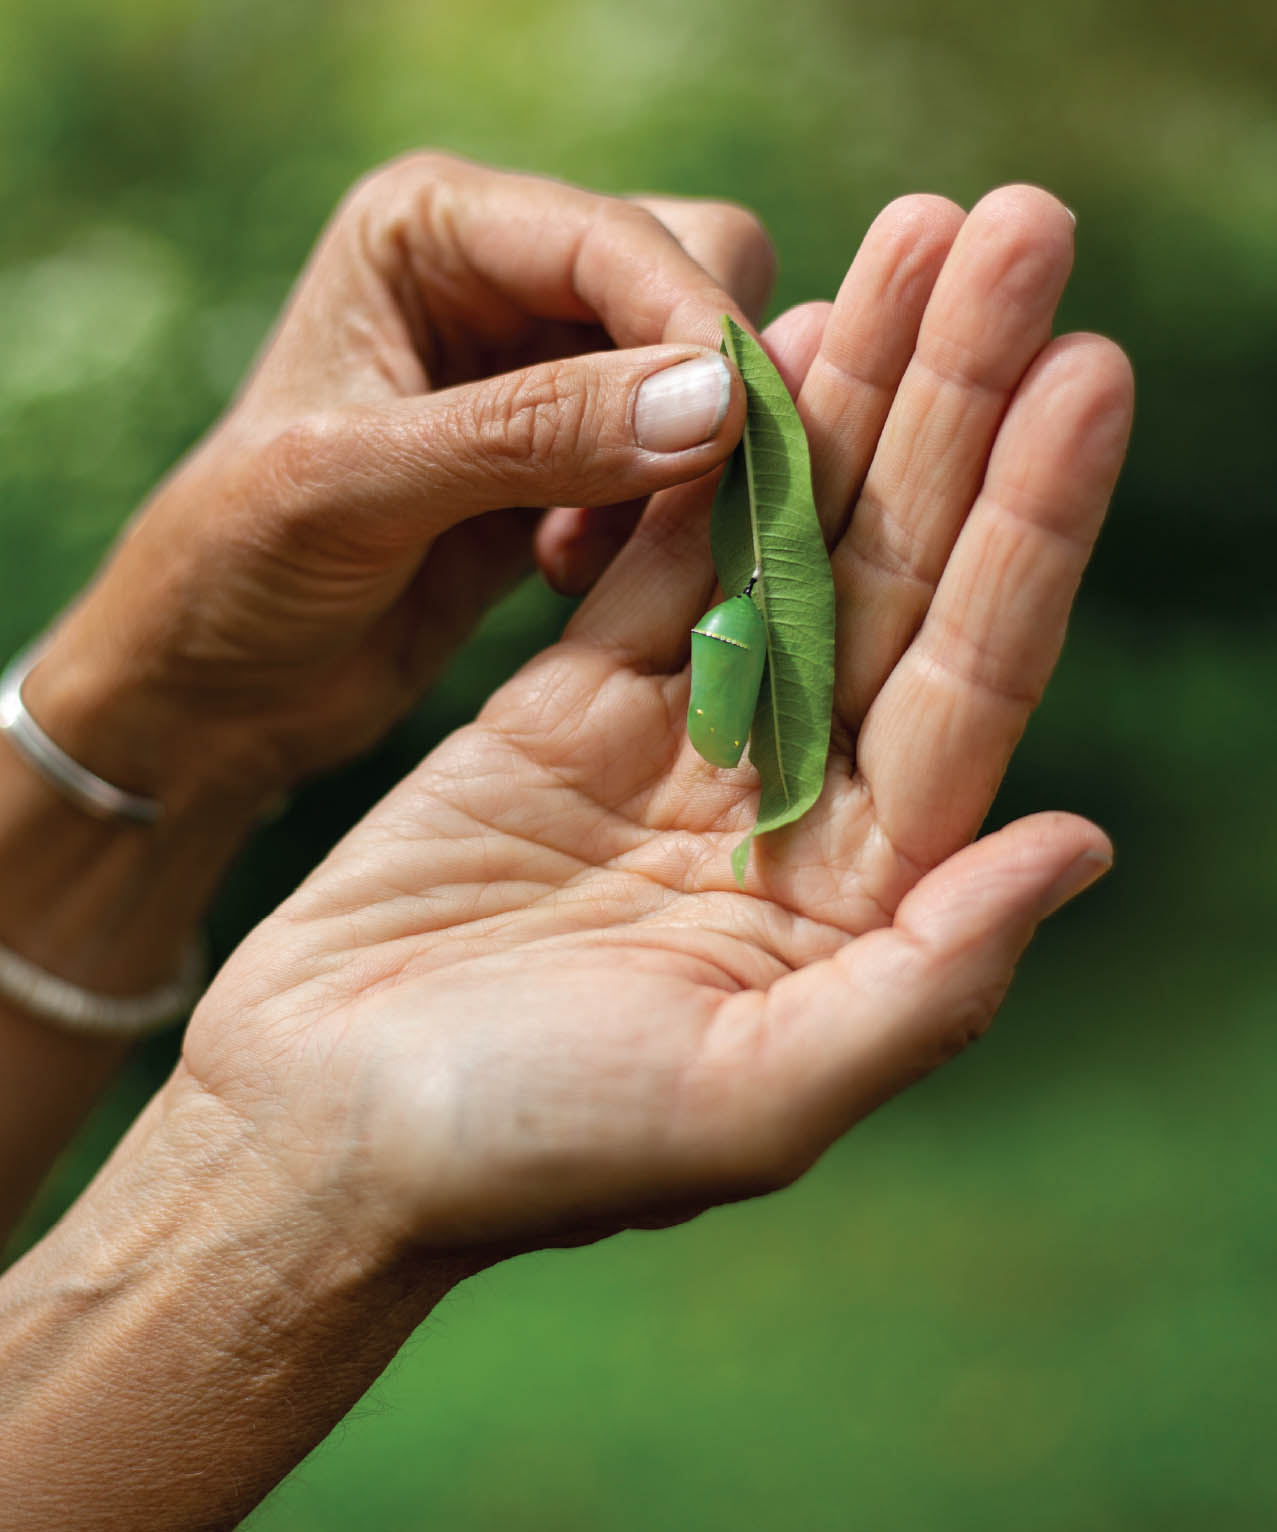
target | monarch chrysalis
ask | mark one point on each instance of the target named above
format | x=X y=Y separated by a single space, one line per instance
x=729 y=650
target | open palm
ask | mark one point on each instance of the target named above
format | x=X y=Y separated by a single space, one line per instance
x=524 y=1000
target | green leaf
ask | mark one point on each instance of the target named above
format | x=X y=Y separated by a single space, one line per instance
x=764 y=519
x=730 y=526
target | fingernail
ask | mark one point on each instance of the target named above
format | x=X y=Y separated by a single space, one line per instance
x=682 y=406
x=1071 y=213
x=1088 y=869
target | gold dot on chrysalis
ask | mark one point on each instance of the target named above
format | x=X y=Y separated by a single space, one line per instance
x=700 y=712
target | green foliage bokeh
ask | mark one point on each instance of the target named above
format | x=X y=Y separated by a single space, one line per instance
x=1036 y=1291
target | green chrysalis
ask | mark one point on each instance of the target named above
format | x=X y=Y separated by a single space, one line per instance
x=729 y=650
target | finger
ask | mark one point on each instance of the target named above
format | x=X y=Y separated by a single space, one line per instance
x=938 y=737
x=574 y=545
x=867 y=344
x=827 y=1044
x=793 y=338
x=602 y=428
x=727 y=240
x=433 y=264
x=988 y=316
x=844 y=386
x=644 y=606
x=464 y=574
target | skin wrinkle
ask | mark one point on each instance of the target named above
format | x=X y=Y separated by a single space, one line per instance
x=736 y=248
x=410 y=297
x=466 y=928
x=905 y=867
x=660 y=894
x=877 y=554
x=889 y=230
x=358 y=223
x=848 y=375
x=580 y=253
x=927 y=477
x=405 y=281
x=445 y=348
x=754 y=942
x=931 y=660
x=914 y=260
x=697 y=962
x=535 y=419
x=488 y=828
x=264 y=1333
x=955 y=366
x=569 y=778
x=671 y=324
x=603 y=815
x=997 y=503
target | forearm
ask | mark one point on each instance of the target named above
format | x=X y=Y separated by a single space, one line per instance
x=105 y=906
x=187 y=1334
x=48 y=1080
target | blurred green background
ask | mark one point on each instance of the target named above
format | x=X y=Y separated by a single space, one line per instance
x=1038 y=1291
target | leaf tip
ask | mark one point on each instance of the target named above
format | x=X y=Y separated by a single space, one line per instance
x=733 y=334
x=740 y=861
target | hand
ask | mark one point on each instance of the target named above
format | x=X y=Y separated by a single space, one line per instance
x=295 y=585
x=523 y=1002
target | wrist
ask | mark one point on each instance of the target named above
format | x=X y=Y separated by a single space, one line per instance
x=110 y=905
x=194 y=1167
x=112 y=707
x=105 y=907
x=198 y=1300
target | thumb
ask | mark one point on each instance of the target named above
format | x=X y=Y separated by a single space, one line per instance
x=581 y=430
x=843 y=1035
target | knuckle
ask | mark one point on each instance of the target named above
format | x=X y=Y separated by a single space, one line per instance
x=718 y=225
x=306 y=480
x=913 y=232
x=972 y=1019
x=621 y=219
x=405 y=193
x=303 y=456
x=755 y=254
x=533 y=417
x=731 y=241
x=405 y=173
x=742 y=227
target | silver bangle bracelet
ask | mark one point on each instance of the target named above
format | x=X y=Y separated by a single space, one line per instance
x=88 y=1011
x=83 y=787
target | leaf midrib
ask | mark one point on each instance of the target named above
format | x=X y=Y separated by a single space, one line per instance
x=762 y=581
